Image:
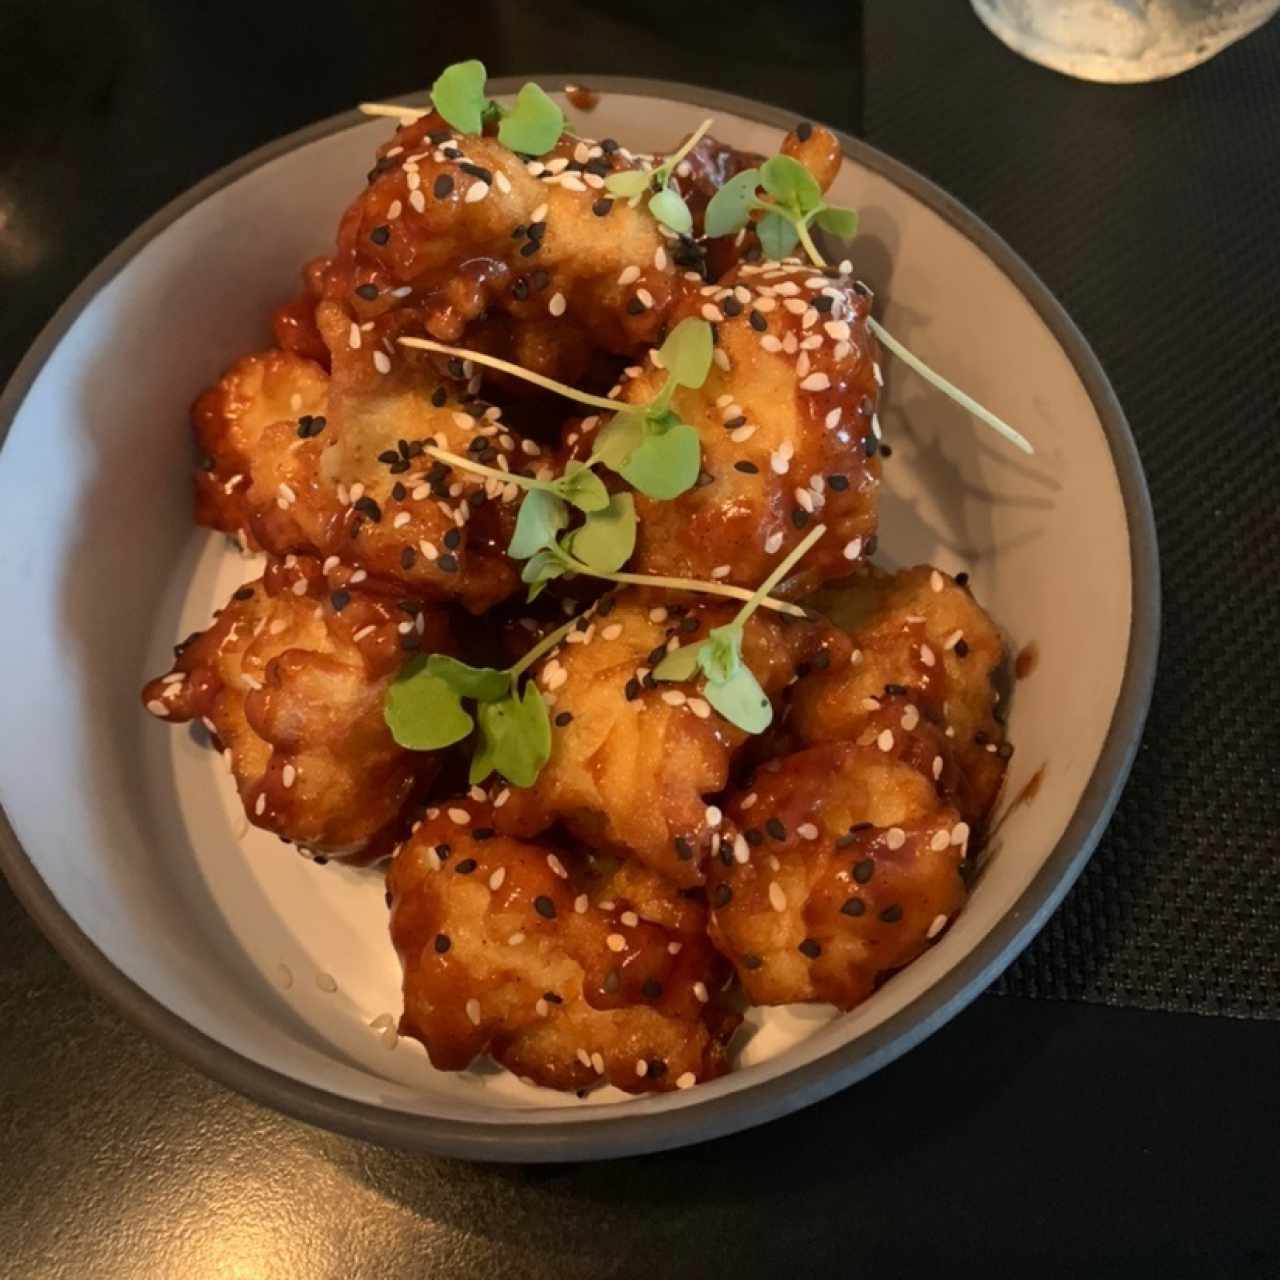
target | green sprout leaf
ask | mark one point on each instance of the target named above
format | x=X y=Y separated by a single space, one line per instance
x=721 y=656
x=741 y=701
x=534 y=124
x=620 y=437
x=686 y=354
x=541 y=567
x=514 y=738
x=730 y=208
x=679 y=664
x=629 y=183
x=841 y=223
x=458 y=95
x=542 y=516
x=582 y=488
x=607 y=539
x=666 y=463
x=778 y=235
x=484 y=683
x=791 y=184
x=670 y=209
x=422 y=711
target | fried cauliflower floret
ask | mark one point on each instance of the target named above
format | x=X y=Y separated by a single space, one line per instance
x=465 y=225
x=786 y=423
x=925 y=655
x=297 y=461
x=631 y=760
x=290 y=680
x=568 y=979
x=844 y=865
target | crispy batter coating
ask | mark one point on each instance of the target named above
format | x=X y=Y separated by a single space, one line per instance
x=294 y=461
x=290 y=679
x=846 y=865
x=564 y=977
x=465 y=225
x=631 y=761
x=925 y=654
x=786 y=421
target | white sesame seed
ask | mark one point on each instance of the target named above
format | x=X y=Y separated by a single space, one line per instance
x=700 y=992
x=473 y=1011
x=612 y=631
x=772 y=543
x=700 y=707
x=580 y=904
x=740 y=435
x=686 y=1081
x=157 y=708
x=926 y=655
x=495 y=880
x=288 y=775
x=815 y=382
x=642 y=1067
x=673 y=697
x=936 y=926
x=884 y=740
x=260 y=805
x=875 y=368
x=777 y=899
x=616 y=942
x=502 y=797
x=722 y=571
x=796 y=306
x=552 y=680
x=502 y=182
x=960 y=833
x=557 y=304
x=674 y=948
x=910 y=717
x=807 y=831
x=516 y=938
x=353 y=336
x=299 y=588
x=837 y=330
x=713 y=816
x=802 y=364
x=935 y=581
x=459 y=816
x=597 y=1063
x=394 y=209
x=557 y=867
x=853 y=549
x=937 y=767
x=805 y=499
x=584 y=1057
x=326 y=982
x=476 y=192
x=417 y=201
x=871 y=704
x=841 y=352
x=658 y=614
x=630 y=919
x=895 y=837
x=629 y=274
x=778 y=463
x=645 y=296
x=941 y=839
x=711 y=312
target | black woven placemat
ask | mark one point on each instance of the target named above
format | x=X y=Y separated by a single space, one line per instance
x=1153 y=212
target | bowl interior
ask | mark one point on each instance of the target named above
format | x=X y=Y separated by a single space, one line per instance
x=134 y=827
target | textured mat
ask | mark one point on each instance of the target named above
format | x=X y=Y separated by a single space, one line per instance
x=1152 y=212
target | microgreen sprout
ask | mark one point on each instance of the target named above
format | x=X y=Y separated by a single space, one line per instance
x=795 y=202
x=730 y=686
x=665 y=203
x=424 y=711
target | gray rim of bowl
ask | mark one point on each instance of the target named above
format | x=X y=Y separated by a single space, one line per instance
x=620 y=1135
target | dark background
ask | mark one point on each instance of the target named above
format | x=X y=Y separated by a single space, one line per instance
x=1112 y=1108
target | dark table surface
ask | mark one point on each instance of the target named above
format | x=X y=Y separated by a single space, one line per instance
x=1111 y=1109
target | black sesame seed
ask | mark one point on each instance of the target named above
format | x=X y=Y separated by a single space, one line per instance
x=529 y=248
x=606 y=606
x=721 y=895
x=442 y=943
x=634 y=307
x=539 y=280
x=747 y=468
x=822 y=303
x=612 y=981
x=380 y=235
x=775 y=828
x=732 y=424
x=388 y=456
x=803 y=131
x=861 y=826
x=962 y=649
x=684 y=848
x=731 y=306
x=552 y=998
x=891 y=915
x=608 y=146
x=438 y=397
x=442 y=852
x=757 y=321
x=854 y=907
x=411 y=642
x=340 y=600
x=870 y=445
x=886 y=451
x=655 y=655
x=544 y=907
x=896 y=690
x=861 y=289
x=369 y=292
x=451 y=152
x=632 y=689
x=455 y=367
x=864 y=870
x=869 y=547
x=564 y=718
x=981 y=738
x=602 y=207
x=520 y=290
x=483 y=833
x=962 y=579
x=838 y=482
x=438 y=137
x=518 y=231
x=753 y=836
x=537 y=230
x=399 y=492
x=465 y=867
x=408 y=556
x=447 y=563
x=206 y=461
x=657 y=1068
x=368 y=507
x=476 y=171
x=245 y=593
x=844 y=841
x=799 y=517
x=751 y=961
x=452 y=539
x=651 y=989
x=442 y=186
x=811 y=948
x=689 y=625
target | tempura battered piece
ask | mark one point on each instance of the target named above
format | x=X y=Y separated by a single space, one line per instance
x=922 y=681
x=565 y=979
x=845 y=866
x=788 y=429
x=456 y=225
x=632 y=760
x=290 y=679
x=294 y=461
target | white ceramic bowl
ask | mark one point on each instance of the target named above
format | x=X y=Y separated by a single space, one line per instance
x=124 y=840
